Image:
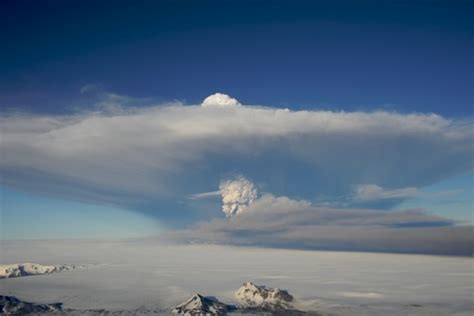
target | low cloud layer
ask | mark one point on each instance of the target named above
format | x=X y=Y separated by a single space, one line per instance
x=130 y=152
x=285 y=223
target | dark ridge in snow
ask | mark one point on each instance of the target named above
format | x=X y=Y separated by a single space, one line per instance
x=10 y=305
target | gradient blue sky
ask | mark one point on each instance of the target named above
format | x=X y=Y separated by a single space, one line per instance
x=403 y=55
x=398 y=56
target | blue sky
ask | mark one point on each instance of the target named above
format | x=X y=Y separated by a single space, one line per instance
x=85 y=89
x=405 y=56
x=31 y=216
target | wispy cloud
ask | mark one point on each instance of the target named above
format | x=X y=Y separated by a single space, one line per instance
x=204 y=195
x=373 y=192
x=90 y=87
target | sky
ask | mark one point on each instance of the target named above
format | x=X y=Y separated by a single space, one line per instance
x=316 y=107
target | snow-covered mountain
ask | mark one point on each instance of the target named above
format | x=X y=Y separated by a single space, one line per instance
x=10 y=305
x=253 y=300
x=199 y=305
x=258 y=296
x=26 y=269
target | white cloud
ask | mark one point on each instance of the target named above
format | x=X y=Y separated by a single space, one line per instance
x=139 y=151
x=204 y=195
x=90 y=87
x=276 y=205
x=237 y=194
x=373 y=192
x=220 y=99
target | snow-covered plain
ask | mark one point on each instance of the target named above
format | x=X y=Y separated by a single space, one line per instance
x=147 y=275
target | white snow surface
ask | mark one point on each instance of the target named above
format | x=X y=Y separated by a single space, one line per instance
x=248 y=296
x=27 y=269
x=146 y=275
x=251 y=295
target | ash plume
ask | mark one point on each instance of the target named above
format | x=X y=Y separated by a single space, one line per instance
x=237 y=194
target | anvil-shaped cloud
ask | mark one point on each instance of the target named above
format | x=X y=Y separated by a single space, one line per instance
x=130 y=153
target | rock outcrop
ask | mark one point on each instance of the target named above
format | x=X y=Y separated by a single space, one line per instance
x=199 y=305
x=10 y=305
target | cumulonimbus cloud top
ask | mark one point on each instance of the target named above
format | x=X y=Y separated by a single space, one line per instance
x=220 y=99
x=127 y=155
